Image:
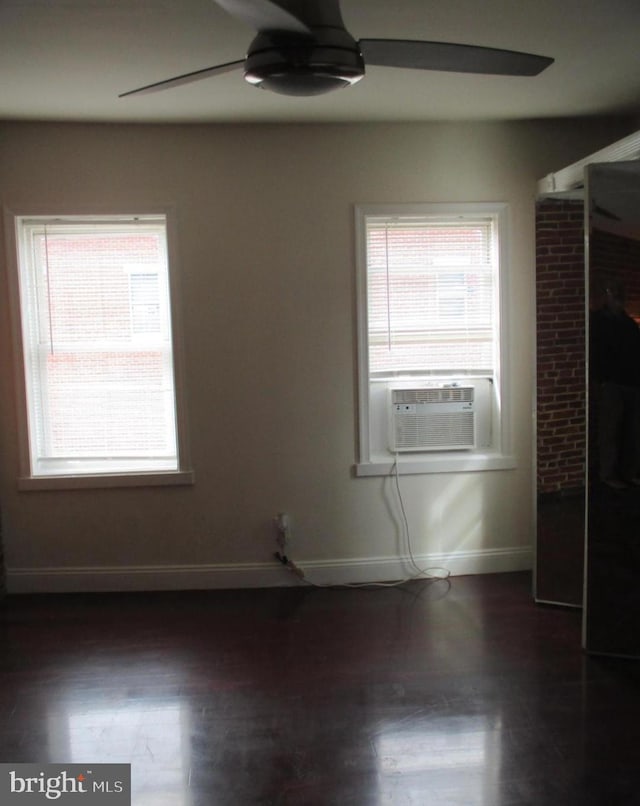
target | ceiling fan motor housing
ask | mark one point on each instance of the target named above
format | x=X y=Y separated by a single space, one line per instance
x=294 y=64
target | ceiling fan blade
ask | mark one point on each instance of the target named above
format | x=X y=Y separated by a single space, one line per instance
x=186 y=78
x=265 y=15
x=450 y=57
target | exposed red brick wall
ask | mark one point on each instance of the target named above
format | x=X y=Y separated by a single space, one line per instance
x=560 y=308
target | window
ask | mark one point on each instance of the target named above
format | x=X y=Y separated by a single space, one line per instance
x=431 y=285
x=98 y=356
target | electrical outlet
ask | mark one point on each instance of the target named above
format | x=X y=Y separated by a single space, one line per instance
x=282 y=524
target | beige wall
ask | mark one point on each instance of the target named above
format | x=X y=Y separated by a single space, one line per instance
x=266 y=247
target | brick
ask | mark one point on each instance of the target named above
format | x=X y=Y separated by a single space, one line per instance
x=560 y=308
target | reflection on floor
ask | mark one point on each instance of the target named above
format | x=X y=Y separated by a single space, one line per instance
x=431 y=694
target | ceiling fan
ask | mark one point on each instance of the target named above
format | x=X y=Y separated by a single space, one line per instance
x=303 y=48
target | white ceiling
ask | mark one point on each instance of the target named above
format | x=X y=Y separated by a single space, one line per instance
x=69 y=60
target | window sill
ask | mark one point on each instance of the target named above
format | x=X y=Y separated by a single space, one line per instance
x=107 y=480
x=383 y=465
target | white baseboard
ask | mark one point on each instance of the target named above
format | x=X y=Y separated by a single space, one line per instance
x=259 y=575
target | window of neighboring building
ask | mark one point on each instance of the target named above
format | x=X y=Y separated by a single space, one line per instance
x=431 y=286
x=97 y=348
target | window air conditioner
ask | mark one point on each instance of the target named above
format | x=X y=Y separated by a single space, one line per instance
x=432 y=419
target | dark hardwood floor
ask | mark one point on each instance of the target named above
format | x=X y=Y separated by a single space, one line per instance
x=432 y=694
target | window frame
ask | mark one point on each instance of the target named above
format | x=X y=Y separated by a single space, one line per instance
x=27 y=479
x=374 y=458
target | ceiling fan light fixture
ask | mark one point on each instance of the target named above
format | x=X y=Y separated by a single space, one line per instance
x=302 y=80
x=301 y=65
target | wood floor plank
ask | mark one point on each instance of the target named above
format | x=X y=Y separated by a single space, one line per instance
x=462 y=692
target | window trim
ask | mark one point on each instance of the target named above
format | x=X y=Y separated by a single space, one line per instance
x=382 y=463
x=26 y=480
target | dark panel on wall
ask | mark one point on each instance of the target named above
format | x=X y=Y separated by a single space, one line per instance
x=612 y=604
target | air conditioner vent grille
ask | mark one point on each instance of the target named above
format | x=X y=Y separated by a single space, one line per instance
x=446 y=394
x=438 y=418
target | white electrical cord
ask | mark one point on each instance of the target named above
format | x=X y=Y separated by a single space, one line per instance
x=420 y=573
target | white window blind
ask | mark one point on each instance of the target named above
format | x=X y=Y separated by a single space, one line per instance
x=431 y=286
x=96 y=331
